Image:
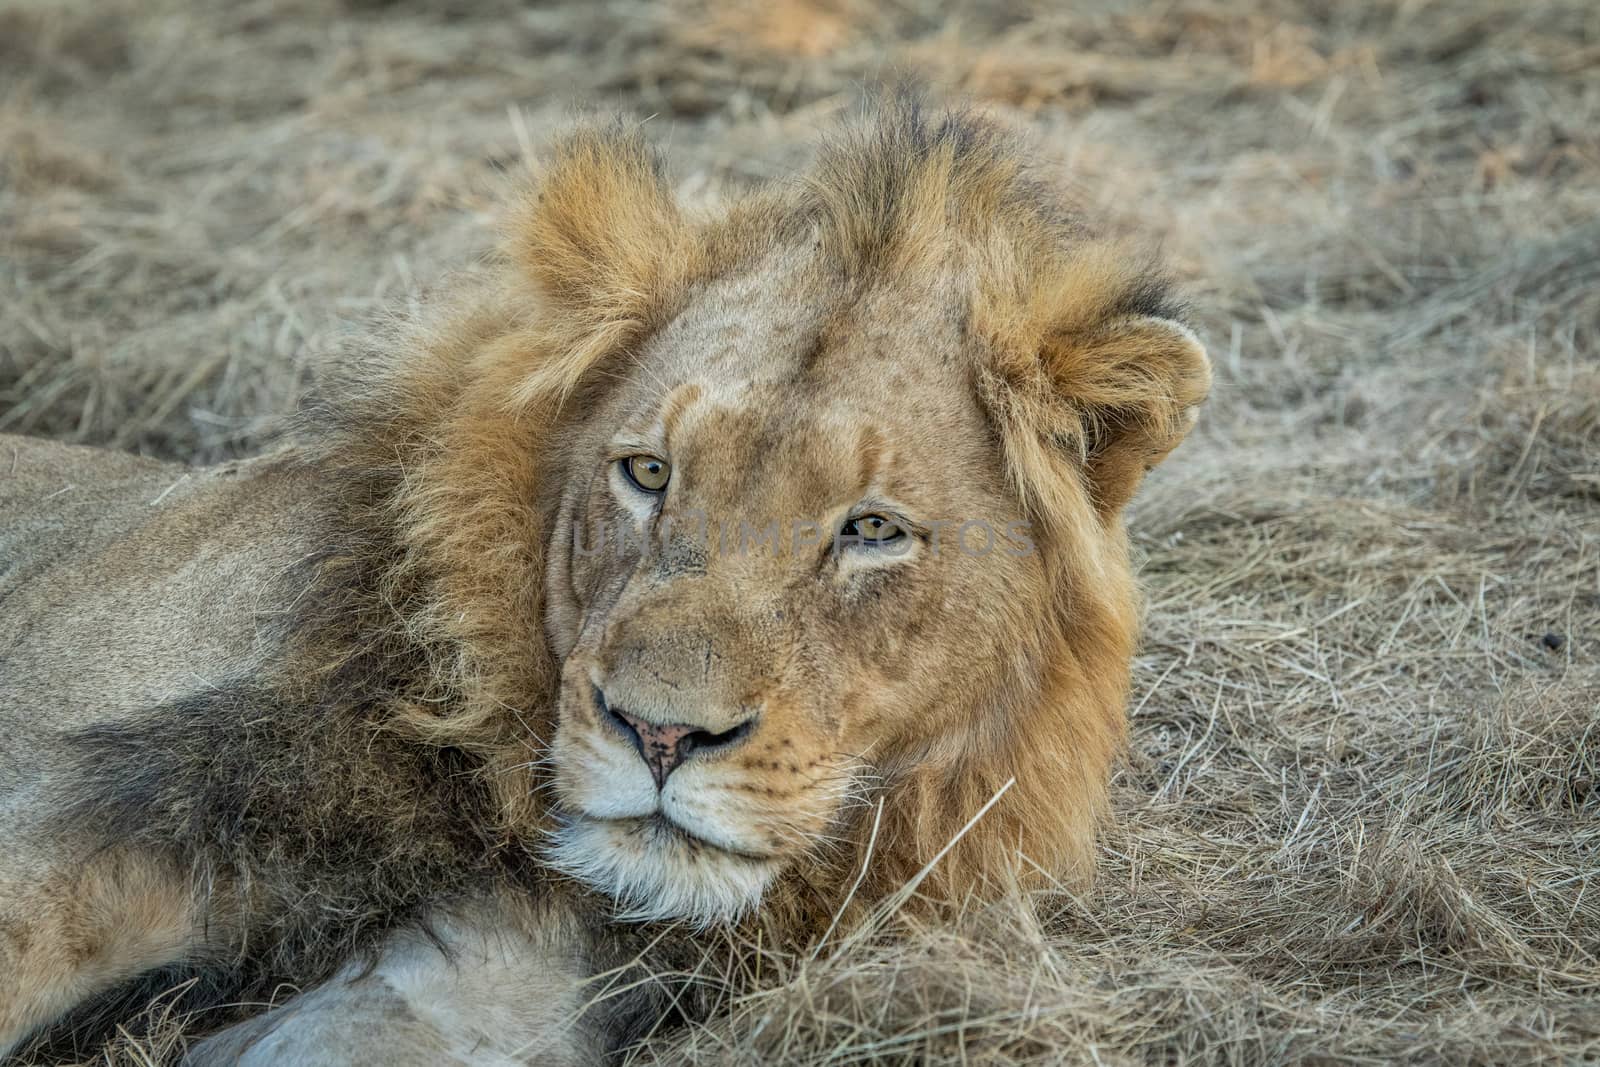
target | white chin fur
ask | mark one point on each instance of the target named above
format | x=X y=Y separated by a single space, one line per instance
x=654 y=873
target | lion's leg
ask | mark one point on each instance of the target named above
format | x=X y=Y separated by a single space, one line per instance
x=506 y=989
x=72 y=927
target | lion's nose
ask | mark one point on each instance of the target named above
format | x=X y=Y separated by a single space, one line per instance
x=664 y=746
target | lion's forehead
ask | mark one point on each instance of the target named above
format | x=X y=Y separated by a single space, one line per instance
x=791 y=315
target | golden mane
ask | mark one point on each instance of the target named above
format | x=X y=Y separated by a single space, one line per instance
x=450 y=429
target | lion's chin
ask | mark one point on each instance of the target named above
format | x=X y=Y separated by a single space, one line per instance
x=655 y=870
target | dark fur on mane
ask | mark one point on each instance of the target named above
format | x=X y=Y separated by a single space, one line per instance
x=314 y=827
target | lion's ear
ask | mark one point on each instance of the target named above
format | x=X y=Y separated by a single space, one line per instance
x=1133 y=385
x=601 y=234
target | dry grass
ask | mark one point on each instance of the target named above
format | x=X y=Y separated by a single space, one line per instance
x=1360 y=819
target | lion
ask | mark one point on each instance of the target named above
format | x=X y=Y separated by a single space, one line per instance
x=667 y=574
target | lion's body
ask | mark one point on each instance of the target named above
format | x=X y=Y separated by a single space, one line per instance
x=280 y=712
x=127 y=584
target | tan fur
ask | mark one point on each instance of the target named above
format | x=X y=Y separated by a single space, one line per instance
x=84 y=929
x=918 y=326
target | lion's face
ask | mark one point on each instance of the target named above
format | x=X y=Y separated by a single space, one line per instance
x=783 y=569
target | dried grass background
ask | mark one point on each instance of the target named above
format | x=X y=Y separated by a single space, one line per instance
x=1360 y=820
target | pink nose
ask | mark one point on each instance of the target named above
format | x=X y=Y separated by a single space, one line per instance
x=664 y=746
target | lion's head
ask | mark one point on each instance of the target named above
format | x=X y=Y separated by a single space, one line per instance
x=769 y=548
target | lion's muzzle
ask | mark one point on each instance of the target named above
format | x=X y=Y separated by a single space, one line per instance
x=665 y=746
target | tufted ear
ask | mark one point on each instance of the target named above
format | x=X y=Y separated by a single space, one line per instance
x=1130 y=389
x=602 y=237
x=1091 y=378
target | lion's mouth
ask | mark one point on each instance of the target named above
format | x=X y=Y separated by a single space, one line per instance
x=659 y=828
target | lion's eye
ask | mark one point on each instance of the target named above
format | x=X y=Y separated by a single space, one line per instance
x=649 y=473
x=872 y=529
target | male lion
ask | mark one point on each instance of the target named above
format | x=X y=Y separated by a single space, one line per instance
x=685 y=572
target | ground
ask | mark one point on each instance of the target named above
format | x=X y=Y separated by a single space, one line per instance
x=1360 y=818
